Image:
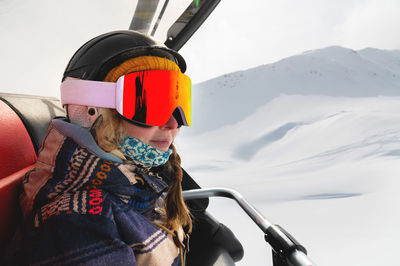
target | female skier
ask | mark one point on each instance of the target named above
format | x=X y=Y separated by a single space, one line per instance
x=107 y=186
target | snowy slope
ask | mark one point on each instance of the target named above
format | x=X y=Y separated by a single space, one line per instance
x=325 y=168
x=384 y=58
x=293 y=134
x=335 y=71
x=318 y=159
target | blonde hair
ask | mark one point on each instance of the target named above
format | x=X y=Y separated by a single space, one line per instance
x=109 y=132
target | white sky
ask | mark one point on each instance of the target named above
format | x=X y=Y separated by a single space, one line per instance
x=266 y=31
x=39 y=37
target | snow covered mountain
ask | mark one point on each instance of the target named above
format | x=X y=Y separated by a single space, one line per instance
x=334 y=71
x=313 y=141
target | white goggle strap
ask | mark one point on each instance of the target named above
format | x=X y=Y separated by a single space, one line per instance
x=93 y=93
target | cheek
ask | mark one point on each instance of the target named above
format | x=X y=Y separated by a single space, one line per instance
x=175 y=133
x=144 y=134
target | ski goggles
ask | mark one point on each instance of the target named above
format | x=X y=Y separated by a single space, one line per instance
x=147 y=97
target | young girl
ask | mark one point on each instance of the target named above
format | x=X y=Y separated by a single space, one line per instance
x=107 y=186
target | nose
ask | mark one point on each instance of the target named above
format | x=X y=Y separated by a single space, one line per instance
x=171 y=123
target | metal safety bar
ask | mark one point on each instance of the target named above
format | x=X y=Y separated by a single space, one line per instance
x=282 y=243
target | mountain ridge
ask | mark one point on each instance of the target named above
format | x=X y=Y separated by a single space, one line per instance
x=332 y=71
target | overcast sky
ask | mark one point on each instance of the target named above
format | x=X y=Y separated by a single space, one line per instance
x=39 y=36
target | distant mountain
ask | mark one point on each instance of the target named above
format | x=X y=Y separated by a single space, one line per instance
x=334 y=71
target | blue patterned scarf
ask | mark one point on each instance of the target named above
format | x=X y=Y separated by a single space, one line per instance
x=143 y=153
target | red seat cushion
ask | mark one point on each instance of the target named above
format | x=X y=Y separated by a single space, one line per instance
x=9 y=190
x=17 y=156
x=16 y=148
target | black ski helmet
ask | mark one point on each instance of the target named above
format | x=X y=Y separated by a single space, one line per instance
x=99 y=55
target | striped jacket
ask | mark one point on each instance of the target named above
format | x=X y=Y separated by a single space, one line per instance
x=83 y=206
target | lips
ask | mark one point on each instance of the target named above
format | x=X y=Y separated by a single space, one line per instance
x=161 y=144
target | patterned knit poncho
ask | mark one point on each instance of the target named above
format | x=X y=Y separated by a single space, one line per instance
x=83 y=206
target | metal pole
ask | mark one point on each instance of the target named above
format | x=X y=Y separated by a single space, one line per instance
x=294 y=258
x=143 y=16
x=255 y=215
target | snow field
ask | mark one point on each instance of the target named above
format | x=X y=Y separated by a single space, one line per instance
x=326 y=170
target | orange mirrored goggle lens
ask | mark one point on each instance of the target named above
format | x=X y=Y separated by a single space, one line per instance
x=151 y=97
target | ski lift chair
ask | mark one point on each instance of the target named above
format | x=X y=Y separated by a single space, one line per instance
x=17 y=156
x=23 y=123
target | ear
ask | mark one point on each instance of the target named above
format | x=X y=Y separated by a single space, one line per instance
x=79 y=115
x=93 y=114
